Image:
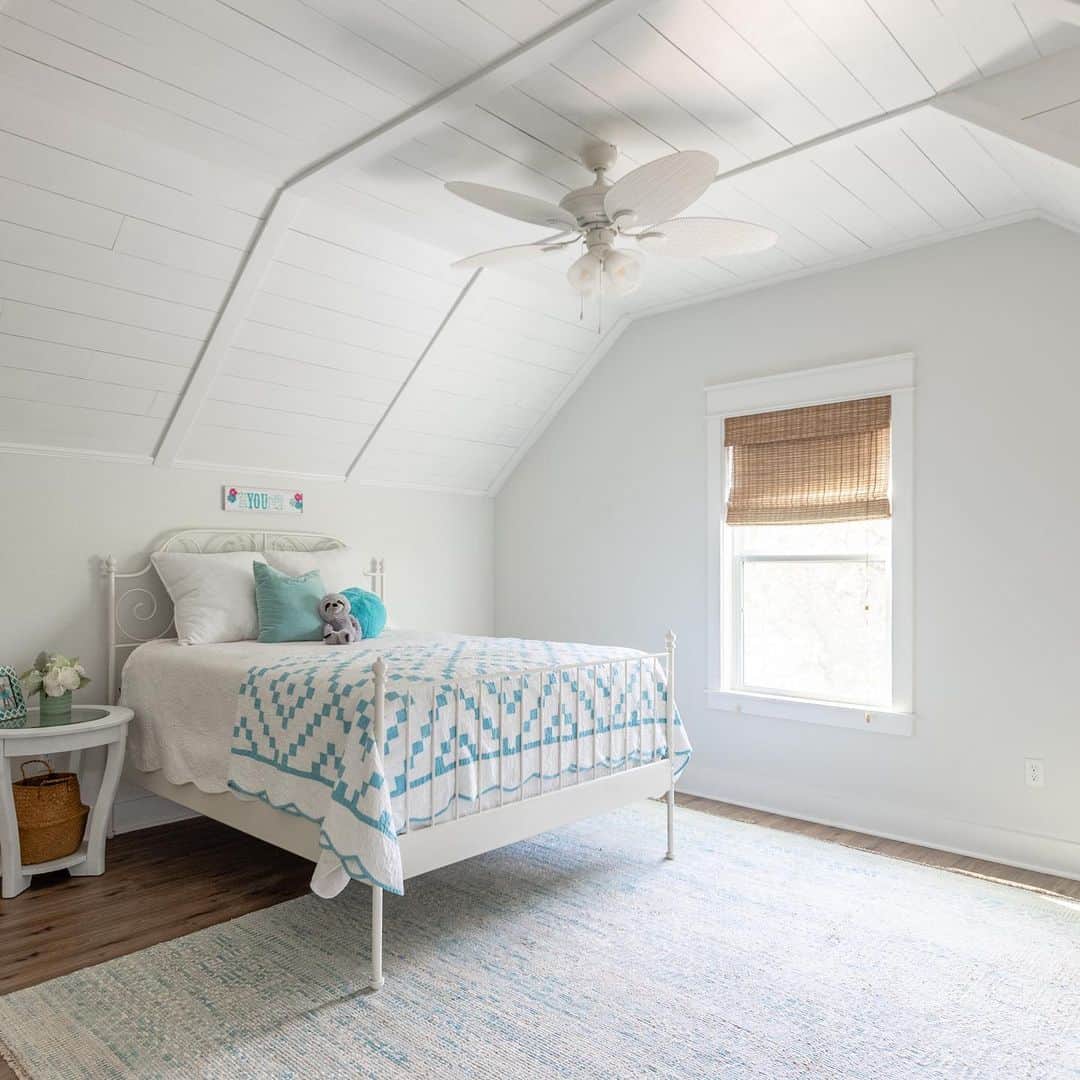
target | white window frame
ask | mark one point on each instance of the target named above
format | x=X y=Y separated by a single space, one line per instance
x=891 y=375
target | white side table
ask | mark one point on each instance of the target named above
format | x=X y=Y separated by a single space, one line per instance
x=90 y=727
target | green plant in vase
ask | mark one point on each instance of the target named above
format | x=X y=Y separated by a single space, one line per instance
x=54 y=677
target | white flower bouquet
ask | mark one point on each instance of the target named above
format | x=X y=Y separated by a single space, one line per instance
x=53 y=675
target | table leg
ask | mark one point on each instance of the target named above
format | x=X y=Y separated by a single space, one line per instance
x=15 y=881
x=91 y=770
x=101 y=812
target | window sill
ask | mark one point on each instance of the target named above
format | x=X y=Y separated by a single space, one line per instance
x=866 y=718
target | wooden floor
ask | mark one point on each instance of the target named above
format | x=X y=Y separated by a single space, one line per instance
x=169 y=881
x=895 y=849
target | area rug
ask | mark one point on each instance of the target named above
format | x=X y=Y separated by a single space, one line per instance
x=756 y=954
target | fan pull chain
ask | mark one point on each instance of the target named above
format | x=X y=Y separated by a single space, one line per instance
x=600 y=303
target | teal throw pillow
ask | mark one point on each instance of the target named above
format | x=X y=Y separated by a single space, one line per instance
x=288 y=606
x=369 y=610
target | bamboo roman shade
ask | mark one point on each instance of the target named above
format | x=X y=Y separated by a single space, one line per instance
x=811 y=465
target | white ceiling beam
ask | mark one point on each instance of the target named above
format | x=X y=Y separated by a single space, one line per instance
x=829 y=137
x=487 y=81
x=415 y=368
x=602 y=348
x=230 y=315
x=1018 y=104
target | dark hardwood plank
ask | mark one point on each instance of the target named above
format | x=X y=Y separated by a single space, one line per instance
x=159 y=884
x=895 y=849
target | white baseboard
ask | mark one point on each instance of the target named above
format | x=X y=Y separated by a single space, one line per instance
x=1027 y=851
x=143 y=812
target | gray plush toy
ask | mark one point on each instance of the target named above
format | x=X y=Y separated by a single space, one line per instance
x=339 y=624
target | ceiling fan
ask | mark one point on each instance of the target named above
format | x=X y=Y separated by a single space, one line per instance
x=645 y=201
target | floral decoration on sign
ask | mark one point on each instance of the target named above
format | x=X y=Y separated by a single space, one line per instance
x=261 y=500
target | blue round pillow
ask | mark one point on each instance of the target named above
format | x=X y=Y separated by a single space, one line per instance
x=369 y=610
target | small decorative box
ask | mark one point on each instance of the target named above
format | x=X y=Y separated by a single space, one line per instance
x=12 y=705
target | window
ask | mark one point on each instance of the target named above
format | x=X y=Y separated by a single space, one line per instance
x=810 y=547
x=810 y=611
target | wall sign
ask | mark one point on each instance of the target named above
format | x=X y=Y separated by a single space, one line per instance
x=262 y=500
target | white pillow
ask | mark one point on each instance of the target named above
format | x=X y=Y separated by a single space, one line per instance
x=340 y=568
x=213 y=595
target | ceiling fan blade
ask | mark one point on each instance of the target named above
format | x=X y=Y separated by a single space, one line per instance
x=695 y=236
x=513 y=204
x=662 y=188
x=516 y=253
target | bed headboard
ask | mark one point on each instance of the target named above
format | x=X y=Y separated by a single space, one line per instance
x=140 y=609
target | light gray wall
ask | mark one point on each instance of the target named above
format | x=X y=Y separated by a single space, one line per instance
x=61 y=516
x=600 y=536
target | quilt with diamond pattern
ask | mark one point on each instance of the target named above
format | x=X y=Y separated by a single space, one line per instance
x=303 y=740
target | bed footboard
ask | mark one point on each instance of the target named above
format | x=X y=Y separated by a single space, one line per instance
x=453 y=837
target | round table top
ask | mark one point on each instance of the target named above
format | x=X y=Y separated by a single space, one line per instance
x=83 y=718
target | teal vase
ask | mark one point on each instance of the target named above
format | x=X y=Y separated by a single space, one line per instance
x=55 y=710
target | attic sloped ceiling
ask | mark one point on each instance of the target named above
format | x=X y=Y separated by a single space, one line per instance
x=141 y=144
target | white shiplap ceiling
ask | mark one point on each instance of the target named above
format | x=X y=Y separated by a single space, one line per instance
x=142 y=142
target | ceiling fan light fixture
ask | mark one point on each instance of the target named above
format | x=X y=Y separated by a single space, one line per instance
x=623 y=272
x=584 y=274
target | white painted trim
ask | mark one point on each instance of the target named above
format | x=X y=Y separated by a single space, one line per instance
x=885 y=721
x=255 y=471
x=893 y=375
x=130 y=815
x=1004 y=104
x=1060 y=222
x=435 y=489
x=250 y=471
x=905 y=823
x=811 y=386
x=231 y=314
x=425 y=352
x=831 y=136
x=603 y=347
x=87 y=454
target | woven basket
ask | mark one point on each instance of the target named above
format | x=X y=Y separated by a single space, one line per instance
x=50 y=814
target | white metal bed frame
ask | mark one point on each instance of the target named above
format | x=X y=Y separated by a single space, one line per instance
x=140 y=596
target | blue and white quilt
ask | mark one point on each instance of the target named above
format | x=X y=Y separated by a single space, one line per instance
x=303 y=740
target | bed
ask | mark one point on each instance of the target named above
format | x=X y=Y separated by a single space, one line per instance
x=384 y=759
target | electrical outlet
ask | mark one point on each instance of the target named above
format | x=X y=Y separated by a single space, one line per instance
x=1034 y=772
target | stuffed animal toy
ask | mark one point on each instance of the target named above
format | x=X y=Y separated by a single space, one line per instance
x=339 y=624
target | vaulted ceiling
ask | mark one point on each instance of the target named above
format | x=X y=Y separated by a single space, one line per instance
x=142 y=143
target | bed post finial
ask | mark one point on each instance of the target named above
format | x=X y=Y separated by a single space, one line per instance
x=669 y=641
